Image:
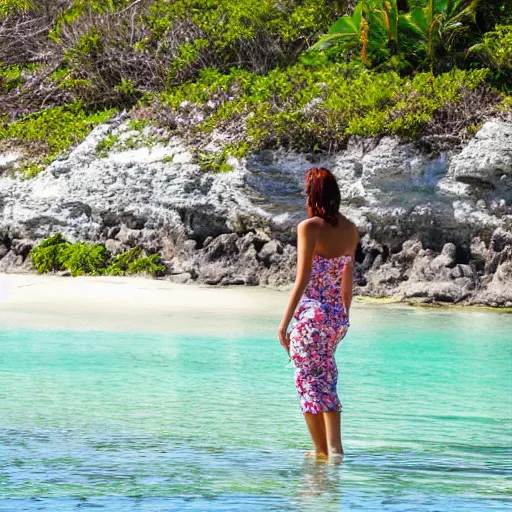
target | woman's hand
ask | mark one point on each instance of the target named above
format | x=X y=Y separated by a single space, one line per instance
x=284 y=338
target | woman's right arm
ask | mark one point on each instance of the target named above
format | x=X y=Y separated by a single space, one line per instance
x=347 y=285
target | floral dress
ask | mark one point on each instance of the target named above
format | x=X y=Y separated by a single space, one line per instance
x=321 y=323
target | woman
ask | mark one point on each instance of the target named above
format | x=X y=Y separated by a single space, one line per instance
x=326 y=246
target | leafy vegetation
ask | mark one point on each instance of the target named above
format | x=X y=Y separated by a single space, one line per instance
x=11 y=77
x=378 y=30
x=58 y=127
x=54 y=130
x=107 y=144
x=313 y=109
x=411 y=36
x=50 y=254
x=113 y=52
x=134 y=134
x=304 y=74
x=57 y=254
x=496 y=49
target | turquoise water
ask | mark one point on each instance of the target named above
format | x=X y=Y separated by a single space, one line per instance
x=210 y=421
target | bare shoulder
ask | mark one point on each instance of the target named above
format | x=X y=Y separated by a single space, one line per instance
x=351 y=230
x=310 y=226
x=308 y=231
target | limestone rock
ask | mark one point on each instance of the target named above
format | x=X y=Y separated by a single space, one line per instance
x=3 y=250
x=223 y=245
x=487 y=159
x=410 y=249
x=183 y=278
x=433 y=227
x=9 y=159
x=447 y=258
x=11 y=261
x=500 y=239
x=270 y=252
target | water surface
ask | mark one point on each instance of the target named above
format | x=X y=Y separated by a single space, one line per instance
x=209 y=420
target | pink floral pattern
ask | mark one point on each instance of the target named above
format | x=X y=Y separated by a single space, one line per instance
x=321 y=323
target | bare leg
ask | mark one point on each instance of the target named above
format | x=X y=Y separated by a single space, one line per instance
x=333 y=432
x=316 y=426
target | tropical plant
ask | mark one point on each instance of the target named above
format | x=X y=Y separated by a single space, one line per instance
x=390 y=18
x=439 y=22
x=375 y=22
x=496 y=47
x=81 y=258
x=351 y=31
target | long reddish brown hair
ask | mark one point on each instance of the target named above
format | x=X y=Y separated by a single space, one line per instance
x=323 y=195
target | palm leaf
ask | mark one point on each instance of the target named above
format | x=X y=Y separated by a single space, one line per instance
x=454 y=6
x=416 y=22
x=392 y=9
x=348 y=23
x=475 y=48
x=344 y=29
x=468 y=13
x=328 y=39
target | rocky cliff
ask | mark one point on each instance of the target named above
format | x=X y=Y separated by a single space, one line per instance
x=433 y=227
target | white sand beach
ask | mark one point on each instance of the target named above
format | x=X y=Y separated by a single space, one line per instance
x=124 y=303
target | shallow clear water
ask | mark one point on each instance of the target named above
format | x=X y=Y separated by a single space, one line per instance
x=210 y=421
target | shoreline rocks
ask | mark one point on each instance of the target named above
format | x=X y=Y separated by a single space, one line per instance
x=434 y=228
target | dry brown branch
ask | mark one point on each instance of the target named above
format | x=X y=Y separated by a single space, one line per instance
x=133 y=4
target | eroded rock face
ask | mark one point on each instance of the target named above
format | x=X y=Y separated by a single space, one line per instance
x=487 y=160
x=433 y=228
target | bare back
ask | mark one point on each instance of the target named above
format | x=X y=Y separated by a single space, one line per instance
x=335 y=241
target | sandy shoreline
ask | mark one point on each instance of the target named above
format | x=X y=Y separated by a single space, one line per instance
x=149 y=305
x=124 y=303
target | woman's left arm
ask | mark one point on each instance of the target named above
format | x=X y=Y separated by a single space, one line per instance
x=306 y=240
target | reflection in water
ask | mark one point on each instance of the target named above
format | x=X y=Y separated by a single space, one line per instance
x=319 y=487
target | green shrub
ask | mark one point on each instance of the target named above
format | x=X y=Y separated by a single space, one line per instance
x=498 y=47
x=80 y=8
x=56 y=254
x=138 y=124
x=63 y=78
x=134 y=261
x=56 y=129
x=119 y=264
x=30 y=169
x=312 y=109
x=50 y=254
x=150 y=264
x=10 y=77
x=107 y=144
x=13 y=6
x=89 y=46
x=506 y=105
x=82 y=258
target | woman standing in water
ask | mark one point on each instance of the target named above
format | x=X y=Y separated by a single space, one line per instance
x=326 y=245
